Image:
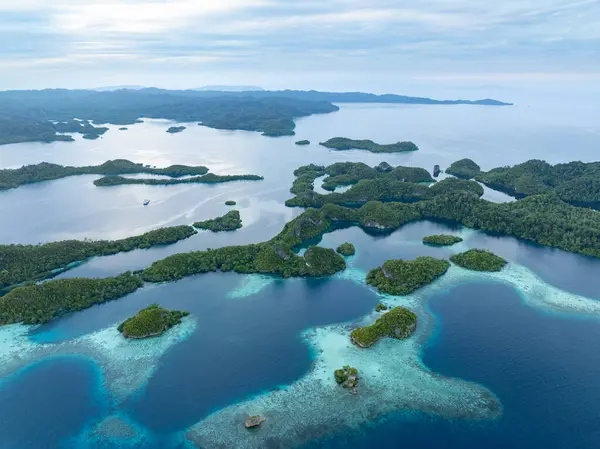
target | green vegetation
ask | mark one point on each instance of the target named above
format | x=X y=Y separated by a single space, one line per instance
x=151 y=322
x=456 y=185
x=442 y=240
x=210 y=178
x=23 y=263
x=44 y=171
x=230 y=203
x=380 y=307
x=41 y=303
x=347 y=377
x=465 y=168
x=123 y=128
x=397 y=323
x=88 y=130
x=401 y=277
x=577 y=183
x=175 y=129
x=303 y=142
x=228 y=222
x=343 y=143
x=479 y=260
x=27 y=116
x=346 y=249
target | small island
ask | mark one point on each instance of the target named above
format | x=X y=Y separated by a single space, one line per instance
x=380 y=307
x=150 y=322
x=253 y=421
x=228 y=222
x=398 y=323
x=441 y=240
x=436 y=171
x=465 y=169
x=124 y=128
x=347 y=377
x=230 y=203
x=343 y=143
x=402 y=277
x=175 y=129
x=303 y=142
x=479 y=260
x=346 y=249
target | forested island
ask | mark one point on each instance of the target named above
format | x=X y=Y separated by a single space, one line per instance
x=210 y=178
x=343 y=143
x=27 y=116
x=45 y=171
x=442 y=240
x=347 y=377
x=151 y=322
x=346 y=249
x=230 y=203
x=397 y=323
x=228 y=222
x=26 y=263
x=465 y=169
x=303 y=142
x=402 y=277
x=479 y=260
x=175 y=129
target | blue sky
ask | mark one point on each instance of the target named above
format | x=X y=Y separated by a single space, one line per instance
x=376 y=45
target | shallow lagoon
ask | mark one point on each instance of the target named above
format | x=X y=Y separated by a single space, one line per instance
x=255 y=338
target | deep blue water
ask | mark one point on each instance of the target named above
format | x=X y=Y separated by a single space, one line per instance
x=544 y=367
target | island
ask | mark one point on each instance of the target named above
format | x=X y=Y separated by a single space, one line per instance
x=84 y=127
x=346 y=249
x=28 y=263
x=436 y=171
x=45 y=171
x=210 y=178
x=465 y=169
x=398 y=323
x=230 y=203
x=347 y=377
x=303 y=142
x=123 y=128
x=479 y=260
x=402 y=277
x=380 y=307
x=343 y=143
x=150 y=322
x=175 y=129
x=228 y=222
x=441 y=240
x=253 y=421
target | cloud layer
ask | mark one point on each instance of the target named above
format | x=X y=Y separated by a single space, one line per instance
x=193 y=42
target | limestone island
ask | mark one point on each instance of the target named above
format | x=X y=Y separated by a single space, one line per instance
x=151 y=322
x=441 y=240
x=175 y=129
x=228 y=222
x=436 y=171
x=398 y=323
x=402 y=277
x=346 y=249
x=343 y=143
x=124 y=128
x=303 y=142
x=380 y=307
x=479 y=260
x=465 y=169
x=230 y=203
x=347 y=377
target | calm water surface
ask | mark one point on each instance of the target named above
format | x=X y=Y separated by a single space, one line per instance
x=544 y=367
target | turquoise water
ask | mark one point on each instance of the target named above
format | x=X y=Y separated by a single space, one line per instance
x=497 y=361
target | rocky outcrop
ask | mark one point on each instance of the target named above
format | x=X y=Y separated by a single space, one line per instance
x=436 y=171
x=253 y=421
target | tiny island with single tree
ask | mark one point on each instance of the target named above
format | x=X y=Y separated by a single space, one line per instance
x=402 y=277
x=398 y=323
x=343 y=143
x=346 y=249
x=151 y=322
x=175 y=129
x=303 y=142
x=228 y=222
x=479 y=260
x=441 y=240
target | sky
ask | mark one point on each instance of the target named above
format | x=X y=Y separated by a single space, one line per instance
x=375 y=45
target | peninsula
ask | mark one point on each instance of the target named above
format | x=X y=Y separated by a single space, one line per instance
x=343 y=143
x=402 y=277
x=45 y=171
x=228 y=222
x=150 y=322
x=398 y=323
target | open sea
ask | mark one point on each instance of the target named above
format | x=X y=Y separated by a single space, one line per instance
x=496 y=362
